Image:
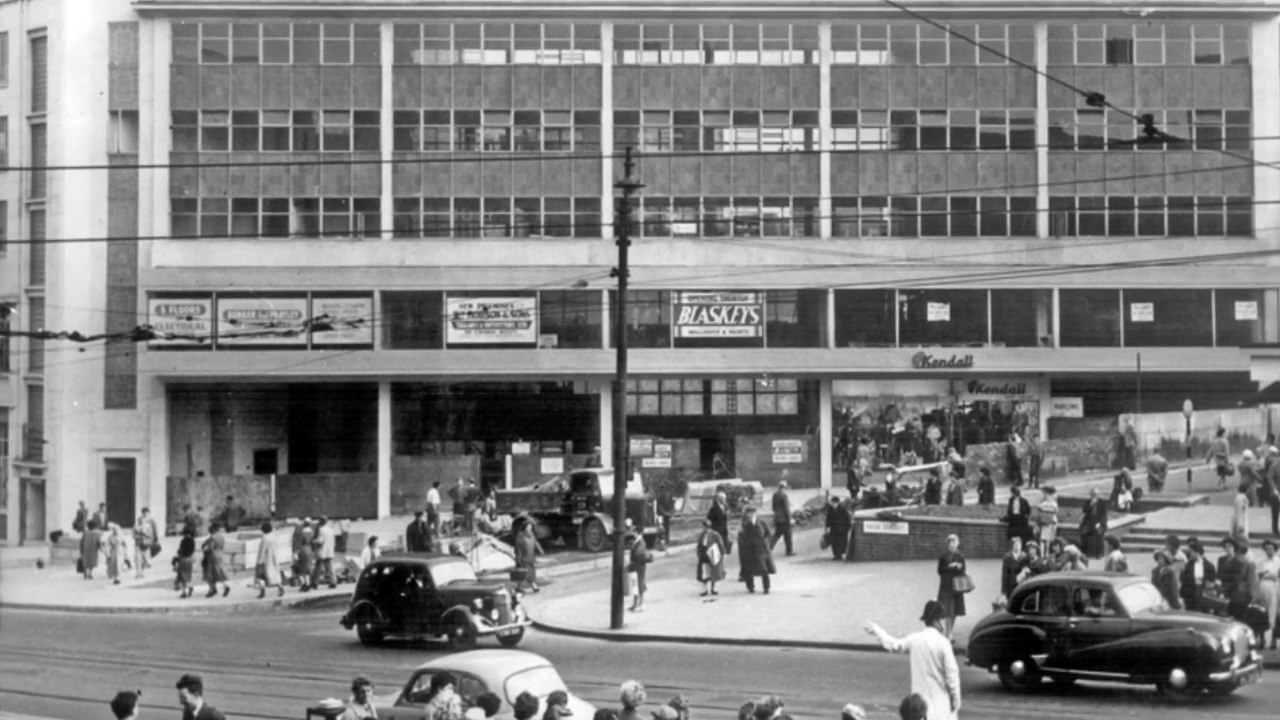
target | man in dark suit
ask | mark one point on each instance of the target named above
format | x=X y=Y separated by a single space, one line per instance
x=782 y=516
x=1094 y=525
x=1017 y=512
x=191 y=697
x=417 y=535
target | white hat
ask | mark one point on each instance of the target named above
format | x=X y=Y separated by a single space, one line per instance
x=854 y=711
x=1248 y=454
x=474 y=713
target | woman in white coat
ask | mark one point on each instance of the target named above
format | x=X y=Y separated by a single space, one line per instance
x=267 y=571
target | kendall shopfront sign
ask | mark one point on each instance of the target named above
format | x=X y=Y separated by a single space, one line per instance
x=718 y=315
x=929 y=361
x=997 y=389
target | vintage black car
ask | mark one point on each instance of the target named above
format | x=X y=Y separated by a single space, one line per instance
x=438 y=596
x=1089 y=625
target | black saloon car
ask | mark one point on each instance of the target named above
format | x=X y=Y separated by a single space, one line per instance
x=1089 y=625
x=437 y=596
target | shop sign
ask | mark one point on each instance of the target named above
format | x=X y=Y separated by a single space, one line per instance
x=350 y=317
x=500 y=320
x=1142 y=312
x=661 y=457
x=521 y=448
x=926 y=361
x=1066 y=407
x=883 y=527
x=980 y=388
x=938 y=312
x=641 y=447
x=1246 y=309
x=189 y=317
x=262 y=321
x=788 y=451
x=552 y=465
x=719 y=315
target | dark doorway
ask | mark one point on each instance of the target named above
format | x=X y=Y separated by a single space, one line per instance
x=266 y=461
x=31 y=510
x=122 y=490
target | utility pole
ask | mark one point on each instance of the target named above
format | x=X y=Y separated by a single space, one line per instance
x=621 y=450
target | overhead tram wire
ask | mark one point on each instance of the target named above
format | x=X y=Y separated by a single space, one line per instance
x=1092 y=98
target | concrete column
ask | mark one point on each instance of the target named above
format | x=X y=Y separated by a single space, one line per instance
x=1265 y=63
x=386 y=131
x=606 y=132
x=1057 y=318
x=824 y=130
x=1042 y=131
x=153 y=468
x=604 y=391
x=384 y=448
x=825 y=457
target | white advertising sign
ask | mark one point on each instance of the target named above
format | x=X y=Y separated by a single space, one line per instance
x=655 y=462
x=262 y=321
x=1142 y=312
x=350 y=317
x=719 y=315
x=882 y=527
x=189 y=317
x=938 y=312
x=788 y=451
x=1246 y=310
x=552 y=465
x=501 y=320
x=1066 y=407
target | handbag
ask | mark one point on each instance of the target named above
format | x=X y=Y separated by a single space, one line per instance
x=824 y=542
x=1230 y=469
x=155 y=549
x=962 y=583
x=80 y=565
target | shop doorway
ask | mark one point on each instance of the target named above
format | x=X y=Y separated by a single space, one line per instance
x=31 y=510
x=122 y=490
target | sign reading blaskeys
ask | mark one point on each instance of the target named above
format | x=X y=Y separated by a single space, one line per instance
x=724 y=314
x=497 y=320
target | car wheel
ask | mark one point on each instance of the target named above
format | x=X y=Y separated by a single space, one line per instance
x=513 y=639
x=594 y=537
x=1019 y=674
x=461 y=632
x=368 y=633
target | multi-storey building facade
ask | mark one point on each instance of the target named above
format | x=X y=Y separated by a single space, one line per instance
x=375 y=238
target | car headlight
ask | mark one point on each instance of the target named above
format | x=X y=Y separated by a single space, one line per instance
x=493 y=615
x=1226 y=645
x=478 y=604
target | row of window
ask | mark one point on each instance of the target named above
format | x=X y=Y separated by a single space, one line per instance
x=1208 y=130
x=497 y=130
x=684 y=396
x=436 y=217
x=1149 y=44
x=277 y=43
x=750 y=216
x=276 y=130
x=708 y=43
x=933 y=129
x=497 y=44
x=276 y=217
x=1179 y=216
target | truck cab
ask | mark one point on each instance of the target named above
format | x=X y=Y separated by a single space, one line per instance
x=578 y=507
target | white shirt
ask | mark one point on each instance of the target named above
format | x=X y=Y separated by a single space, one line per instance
x=1240 y=516
x=433 y=497
x=368 y=555
x=935 y=676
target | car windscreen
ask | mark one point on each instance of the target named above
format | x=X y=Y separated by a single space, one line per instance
x=1141 y=597
x=452 y=572
x=539 y=681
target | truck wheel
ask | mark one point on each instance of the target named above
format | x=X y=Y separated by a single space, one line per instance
x=513 y=639
x=368 y=634
x=594 y=537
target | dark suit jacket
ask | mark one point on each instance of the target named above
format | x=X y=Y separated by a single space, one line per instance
x=1188 y=581
x=781 y=508
x=1095 y=516
x=207 y=712
x=719 y=520
x=1023 y=517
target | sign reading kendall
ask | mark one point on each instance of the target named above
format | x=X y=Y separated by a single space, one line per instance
x=501 y=320
x=719 y=315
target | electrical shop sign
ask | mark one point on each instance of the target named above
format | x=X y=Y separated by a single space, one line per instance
x=181 y=321
x=704 y=315
x=492 y=320
x=262 y=321
x=342 y=320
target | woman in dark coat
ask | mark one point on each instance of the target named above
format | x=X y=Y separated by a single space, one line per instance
x=711 y=552
x=527 y=549
x=215 y=569
x=1093 y=526
x=1013 y=466
x=304 y=557
x=933 y=488
x=718 y=516
x=951 y=565
x=754 y=557
x=986 y=488
x=186 y=563
x=838 y=523
x=90 y=545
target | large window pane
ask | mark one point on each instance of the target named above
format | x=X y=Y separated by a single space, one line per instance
x=1244 y=317
x=648 y=318
x=1022 y=318
x=795 y=318
x=413 y=320
x=864 y=318
x=1090 y=318
x=943 y=317
x=572 y=316
x=1167 y=318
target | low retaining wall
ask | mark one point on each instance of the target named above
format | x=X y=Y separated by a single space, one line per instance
x=924 y=538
